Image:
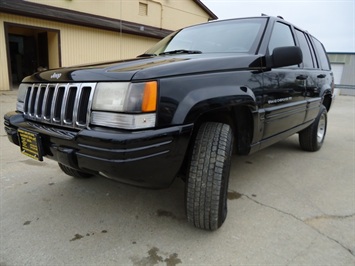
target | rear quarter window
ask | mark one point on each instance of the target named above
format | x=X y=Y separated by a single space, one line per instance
x=321 y=55
x=304 y=45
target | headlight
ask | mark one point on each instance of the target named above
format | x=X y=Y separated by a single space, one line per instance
x=125 y=105
x=21 y=96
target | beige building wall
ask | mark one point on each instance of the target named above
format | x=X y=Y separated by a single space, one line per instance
x=77 y=44
x=53 y=45
x=185 y=12
x=4 y=71
x=81 y=45
x=166 y=14
x=70 y=44
x=86 y=45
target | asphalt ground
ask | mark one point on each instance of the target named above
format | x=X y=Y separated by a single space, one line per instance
x=286 y=207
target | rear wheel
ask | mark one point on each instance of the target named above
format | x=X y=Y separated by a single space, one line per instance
x=73 y=172
x=208 y=176
x=312 y=137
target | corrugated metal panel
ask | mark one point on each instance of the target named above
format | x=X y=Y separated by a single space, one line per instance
x=348 y=77
x=348 y=61
x=339 y=58
x=337 y=69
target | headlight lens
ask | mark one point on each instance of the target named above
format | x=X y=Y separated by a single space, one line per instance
x=126 y=97
x=110 y=96
x=114 y=100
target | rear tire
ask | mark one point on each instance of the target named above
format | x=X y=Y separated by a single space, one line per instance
x=208 y=176
x=73 y=172
x=312 y=137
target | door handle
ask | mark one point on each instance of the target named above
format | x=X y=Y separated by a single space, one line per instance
x=302 y=77
x=321 y=76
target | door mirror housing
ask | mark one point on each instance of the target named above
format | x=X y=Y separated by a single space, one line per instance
x=285 y=56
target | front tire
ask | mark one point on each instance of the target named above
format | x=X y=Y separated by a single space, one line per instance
x=73 y=172
x=312 y=137
x=208 y=176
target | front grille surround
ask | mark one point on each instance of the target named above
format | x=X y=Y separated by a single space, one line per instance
x=62 y=104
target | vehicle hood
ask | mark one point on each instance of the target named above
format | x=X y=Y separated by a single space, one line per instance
x=147 y=68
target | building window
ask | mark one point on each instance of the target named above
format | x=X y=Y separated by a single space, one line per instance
x=143 y=9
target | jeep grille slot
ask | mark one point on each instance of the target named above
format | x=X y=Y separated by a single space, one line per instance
x=58 y=102
x=64 y=104
x=82 y=117
x=69 y=108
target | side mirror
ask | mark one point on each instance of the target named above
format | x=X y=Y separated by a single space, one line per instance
x=285 y=56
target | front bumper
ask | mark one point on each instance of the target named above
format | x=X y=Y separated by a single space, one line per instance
x=150 y=158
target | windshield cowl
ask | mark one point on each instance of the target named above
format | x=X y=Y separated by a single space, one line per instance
x=181 y=51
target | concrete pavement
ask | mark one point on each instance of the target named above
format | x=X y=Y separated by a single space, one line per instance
x=286 y=207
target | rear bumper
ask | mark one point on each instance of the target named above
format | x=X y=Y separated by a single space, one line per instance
x=150 y=158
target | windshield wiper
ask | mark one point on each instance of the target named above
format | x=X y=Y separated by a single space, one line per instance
x=146 y=55
x=181 y=51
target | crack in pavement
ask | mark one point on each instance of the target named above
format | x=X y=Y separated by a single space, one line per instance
x=335 y=217
x=306 y=222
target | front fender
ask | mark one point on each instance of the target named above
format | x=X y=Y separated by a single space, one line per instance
x=184 y=98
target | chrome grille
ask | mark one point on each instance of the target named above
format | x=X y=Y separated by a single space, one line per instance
x=64 y=104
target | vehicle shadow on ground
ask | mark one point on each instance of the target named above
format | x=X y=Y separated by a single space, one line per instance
x=100 y=199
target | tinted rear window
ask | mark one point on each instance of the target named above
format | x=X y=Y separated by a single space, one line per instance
x=322 y=56
x=307 y=56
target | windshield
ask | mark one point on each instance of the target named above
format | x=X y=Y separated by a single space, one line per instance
x=232 y=36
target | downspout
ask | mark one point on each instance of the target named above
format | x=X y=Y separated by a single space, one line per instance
x=161 y=11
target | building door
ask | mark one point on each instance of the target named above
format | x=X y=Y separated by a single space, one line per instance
x=30 y=50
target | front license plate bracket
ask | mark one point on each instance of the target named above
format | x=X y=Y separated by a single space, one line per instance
x=30 y=144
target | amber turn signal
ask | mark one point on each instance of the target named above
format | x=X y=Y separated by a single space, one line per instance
x=149 y=102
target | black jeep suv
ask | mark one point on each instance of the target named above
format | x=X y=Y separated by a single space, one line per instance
x=183 y=107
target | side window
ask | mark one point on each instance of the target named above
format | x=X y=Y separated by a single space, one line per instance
x=281 y=36
x=307 y=56
x=322 y=56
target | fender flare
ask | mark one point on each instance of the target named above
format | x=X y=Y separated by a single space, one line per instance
x=200 y=101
